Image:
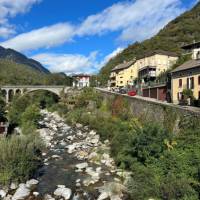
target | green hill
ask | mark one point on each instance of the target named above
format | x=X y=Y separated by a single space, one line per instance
x=184 y=29
x=19 y=74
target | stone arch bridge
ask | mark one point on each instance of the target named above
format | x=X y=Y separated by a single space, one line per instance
x=8 y=91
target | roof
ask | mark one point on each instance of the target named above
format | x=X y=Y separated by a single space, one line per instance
x=187 y=65
x=124 y=65
x=191 y=46
x=159 y=52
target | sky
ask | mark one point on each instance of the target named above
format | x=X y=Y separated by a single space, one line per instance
x=80 y=36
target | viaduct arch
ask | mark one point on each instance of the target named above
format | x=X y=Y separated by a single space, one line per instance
x=10 y=91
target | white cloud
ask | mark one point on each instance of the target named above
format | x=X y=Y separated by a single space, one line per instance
x=47 y=37
x=10 y=8
x=136 y=20
x=109 y=56
x=74 y=63
x=67 y=63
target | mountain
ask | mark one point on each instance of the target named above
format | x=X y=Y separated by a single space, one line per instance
x=12 y=73
x=15 y=56
x=182 y=30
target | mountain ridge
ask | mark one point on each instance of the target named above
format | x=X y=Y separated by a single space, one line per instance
x=19 y=58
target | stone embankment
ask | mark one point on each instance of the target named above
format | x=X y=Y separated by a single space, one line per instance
x=76 y=166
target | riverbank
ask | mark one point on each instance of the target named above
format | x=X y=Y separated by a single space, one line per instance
x=76 y=165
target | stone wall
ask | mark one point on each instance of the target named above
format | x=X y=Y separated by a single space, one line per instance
x=172 y=116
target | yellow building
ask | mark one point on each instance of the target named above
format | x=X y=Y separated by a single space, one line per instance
x=153 y=64
x=122 y=74
x=187 y=76
x=146 y=68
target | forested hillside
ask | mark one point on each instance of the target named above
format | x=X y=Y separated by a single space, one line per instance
x=16 y=74
x=184 y=29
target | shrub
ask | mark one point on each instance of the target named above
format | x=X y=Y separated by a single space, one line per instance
x=143 y=184
x=149 y=142
x=17 y=107
x=19 y=158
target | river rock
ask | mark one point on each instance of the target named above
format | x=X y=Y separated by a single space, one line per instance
x=48 y=197
x=35 y=194
x=31 y=183
x=103 y=196
x=2 y=193
x=8 y=197
x=13 y=186
x=82 y=165
x=63 y=192
x=21 y=193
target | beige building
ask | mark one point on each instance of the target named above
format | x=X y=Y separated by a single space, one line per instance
x=153 y=64
x=146 y=68
x=122 y=74
x=187 y=76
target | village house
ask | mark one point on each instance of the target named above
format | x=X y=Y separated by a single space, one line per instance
x=154 y=63
x=81 y=80
x=122 y=75
x=187 y=76
x=146 y=69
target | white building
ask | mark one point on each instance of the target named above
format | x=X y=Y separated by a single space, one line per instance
x=81 y=80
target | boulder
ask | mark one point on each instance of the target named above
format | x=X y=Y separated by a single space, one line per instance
x=31 y=183
x=103 y=196
x=82 y=165
x=63 y=192
x=2 y=193
x=21 y=193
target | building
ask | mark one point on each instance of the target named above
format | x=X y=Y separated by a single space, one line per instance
x=122 y=75
x=193 y=49
x=187 y=76
x=81 y=80
x=153 y=64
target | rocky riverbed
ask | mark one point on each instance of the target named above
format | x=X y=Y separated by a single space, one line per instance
x=76 y=166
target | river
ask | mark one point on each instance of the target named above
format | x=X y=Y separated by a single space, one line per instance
x=76 y=164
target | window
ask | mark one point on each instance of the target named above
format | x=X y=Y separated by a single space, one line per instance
x=121 y=82
x=199 y=94
x=199 y=80
x=180 y=83
x=190 y=83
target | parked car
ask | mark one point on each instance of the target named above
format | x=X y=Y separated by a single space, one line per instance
x=132 y=93
x=123 y=91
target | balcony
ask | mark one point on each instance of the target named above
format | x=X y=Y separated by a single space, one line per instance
x=147 y=73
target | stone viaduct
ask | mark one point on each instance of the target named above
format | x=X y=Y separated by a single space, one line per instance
x=10 y=90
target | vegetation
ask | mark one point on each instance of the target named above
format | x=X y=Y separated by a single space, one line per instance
x=19 y=158
x=20 y=155
x=164 y=165
x=183 y=30
x=19 y=74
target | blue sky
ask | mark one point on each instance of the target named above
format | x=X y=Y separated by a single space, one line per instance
x=82 y=35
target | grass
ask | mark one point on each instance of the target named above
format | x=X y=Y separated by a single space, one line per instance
x=19 y=158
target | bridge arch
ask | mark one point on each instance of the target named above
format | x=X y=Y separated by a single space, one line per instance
x=56 y=92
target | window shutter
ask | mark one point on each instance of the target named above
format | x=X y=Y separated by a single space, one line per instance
x=188 y=83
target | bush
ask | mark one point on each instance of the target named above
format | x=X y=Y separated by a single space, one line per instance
x=149 y=142
x=19 y=158
x=143 y=184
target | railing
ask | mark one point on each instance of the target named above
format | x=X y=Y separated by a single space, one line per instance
x=154 y=84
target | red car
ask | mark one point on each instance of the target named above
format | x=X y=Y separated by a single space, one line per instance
x=132 y=93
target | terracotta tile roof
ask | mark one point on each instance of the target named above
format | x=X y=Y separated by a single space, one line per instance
x=187 y=65
x=123 y=65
